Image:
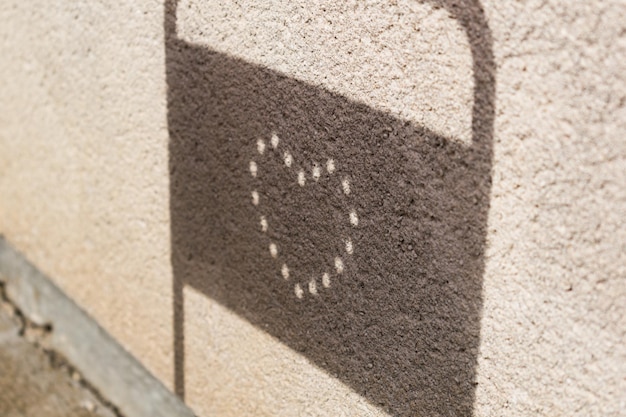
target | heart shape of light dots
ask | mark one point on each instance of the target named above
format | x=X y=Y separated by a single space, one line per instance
x=301 y=177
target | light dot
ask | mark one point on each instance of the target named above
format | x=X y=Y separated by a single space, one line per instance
x=354 y=219
x=260 y=146
x=253 y=168
x=338 y=265
x=316 y=172
x=345 y=184
x=263 y=224
x=273 y=250
x=298 y=290
x=288 y=159
x=301 y=178
x=326 y=280
x=312 y=287
x=285 y=271
x=274 y=140
x=330 y=166
x=255 y=198
x=349 y=247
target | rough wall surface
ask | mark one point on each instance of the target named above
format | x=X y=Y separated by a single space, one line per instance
x=85 y=183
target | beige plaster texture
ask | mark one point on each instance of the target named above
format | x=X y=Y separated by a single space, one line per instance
x=85 y=183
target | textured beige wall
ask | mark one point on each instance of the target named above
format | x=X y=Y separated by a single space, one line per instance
x=84 y=182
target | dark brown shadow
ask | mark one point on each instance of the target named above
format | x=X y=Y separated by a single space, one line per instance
x=401 y=323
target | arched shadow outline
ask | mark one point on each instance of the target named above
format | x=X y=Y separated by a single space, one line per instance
x=403 y=327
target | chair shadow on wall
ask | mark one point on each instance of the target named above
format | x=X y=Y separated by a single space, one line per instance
x=398 y=318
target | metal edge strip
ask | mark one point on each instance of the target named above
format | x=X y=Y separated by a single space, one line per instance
x=109 y=368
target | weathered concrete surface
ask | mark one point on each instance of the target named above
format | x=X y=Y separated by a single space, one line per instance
x=31 y=386
x=119 y=377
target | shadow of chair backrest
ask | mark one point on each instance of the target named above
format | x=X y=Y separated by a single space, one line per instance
x=373 y=268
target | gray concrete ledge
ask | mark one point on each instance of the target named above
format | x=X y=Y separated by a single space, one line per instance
x=117 y=375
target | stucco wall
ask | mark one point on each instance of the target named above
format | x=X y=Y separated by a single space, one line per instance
x=90 y=96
